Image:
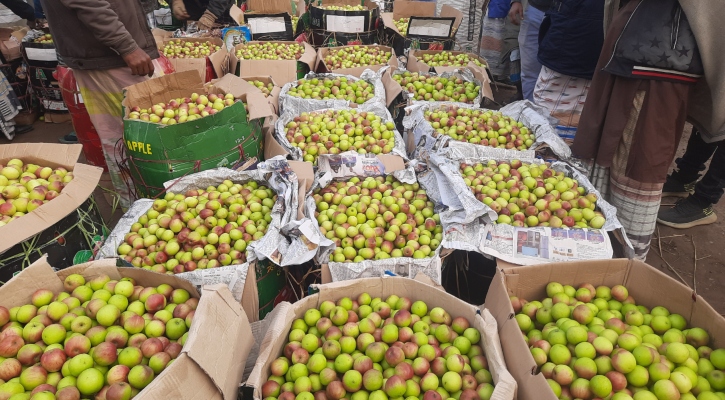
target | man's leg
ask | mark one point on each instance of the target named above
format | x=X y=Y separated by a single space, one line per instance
x=682 y=181
x=102 y=92
x=529 y=49
x=697 y=209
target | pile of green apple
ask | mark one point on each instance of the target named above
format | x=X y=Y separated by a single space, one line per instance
x=377 y=218
x=526 y=194
x=484 y=127
x=448 y=59
x=26 y=186
x=199 y=229
x=335 y=131
x=435 y=88
x=182 y=49
x=402 y=25
x=180 y=110
x=45 y=39
x=597 y=343
x=102 y=338
x=356 y=56
x=295 y=19
x=270 y=51
x=345 y=7
x=375 y=349
x=333 y=88
x=265 y=88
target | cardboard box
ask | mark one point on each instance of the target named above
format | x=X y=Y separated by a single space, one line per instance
x=322 y=52
x=10 y=39
x=73 y=195
x=211 y=364
x=294 y=7
x=282 y=71
x=159 y=153
x=272 y=99
x=427 y=29
x=276 y=337
x=649 y=287
x=341 y=20
x=219 y=60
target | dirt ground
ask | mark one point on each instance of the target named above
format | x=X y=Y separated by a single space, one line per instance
x=706 y=275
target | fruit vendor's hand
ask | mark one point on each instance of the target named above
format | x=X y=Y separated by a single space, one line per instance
x=139 y=62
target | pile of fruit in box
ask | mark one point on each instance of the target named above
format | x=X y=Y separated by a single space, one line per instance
x=332 y=88
x=402 y=25
x=375 y=349
x=426 y=87
x=47 y=39
x=200 y=229
x=377 y=218
x=103 y=339
x=265 y=88
x=598 y=343
x=448 y=59
x=477 y=126
x=271 y=51
x=178 y=111
x=526 y=194
x=183 y=49
x=25 y=187
x=335 y=131
x=356 y=56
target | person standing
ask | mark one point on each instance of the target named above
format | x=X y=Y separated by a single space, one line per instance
x=109 y=46
x=530 y=20
x=571 y=38
x=643 y=85
x=22 y=10
x=699 y=195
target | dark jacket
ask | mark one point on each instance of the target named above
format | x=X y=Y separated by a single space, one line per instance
x=20 y=8
x=220 y=9
x=657 y=43
x=541 y=5
x=95 y=34
x=571 y=37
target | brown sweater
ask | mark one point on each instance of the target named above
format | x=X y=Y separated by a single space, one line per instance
x=95 y=34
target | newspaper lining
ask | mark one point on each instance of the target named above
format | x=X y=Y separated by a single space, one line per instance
x=523 y=111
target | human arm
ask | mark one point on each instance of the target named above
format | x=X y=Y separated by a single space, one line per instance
x=516 y=13
x=20 y=8
x=214 y=10
x=104 y=25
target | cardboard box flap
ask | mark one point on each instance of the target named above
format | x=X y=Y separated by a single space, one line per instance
x=182 y=379
x=505 y=384
x=305 y=177
x=272 y=147
x=231 y=327
x=704 y=316
x=309 y=57
x=47 y=154
x=497 y=299
x=391 y=162
x=39 y=275
x=219 y=59
x=448 y=11
x=270 y=6
x=392 y=88
x=77 y=191
x=237 y=14
x=256 y=102
x=407 y=9
x=162 y=89
x=258 y=106
x=277 y=334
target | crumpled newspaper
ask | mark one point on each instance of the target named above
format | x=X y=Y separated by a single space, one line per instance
x=529 y=114
x=296 y=105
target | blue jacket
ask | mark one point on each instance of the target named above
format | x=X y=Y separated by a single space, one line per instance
x=571 y=37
